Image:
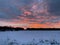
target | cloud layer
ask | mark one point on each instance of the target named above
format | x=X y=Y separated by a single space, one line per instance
x=25 y=13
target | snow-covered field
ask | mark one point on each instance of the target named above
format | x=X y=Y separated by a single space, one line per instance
x=27 y=37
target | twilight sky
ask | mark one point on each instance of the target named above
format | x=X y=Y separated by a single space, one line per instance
x=30 y=13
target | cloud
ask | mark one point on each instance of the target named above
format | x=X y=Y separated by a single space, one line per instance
x=30 y=12
x=54 y=7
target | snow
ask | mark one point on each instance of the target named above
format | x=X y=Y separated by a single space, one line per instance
x=27 y=36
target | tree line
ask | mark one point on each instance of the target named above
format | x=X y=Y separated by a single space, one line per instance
x=6 y=28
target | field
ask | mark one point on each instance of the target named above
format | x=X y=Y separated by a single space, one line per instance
x=30 y=38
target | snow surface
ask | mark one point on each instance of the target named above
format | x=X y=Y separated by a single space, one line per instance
x=27 y=36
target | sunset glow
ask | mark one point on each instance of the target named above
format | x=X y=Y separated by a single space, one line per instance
x=30 y=13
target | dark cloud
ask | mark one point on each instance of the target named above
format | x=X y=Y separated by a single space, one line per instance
x=54 y=7
x=10 y=9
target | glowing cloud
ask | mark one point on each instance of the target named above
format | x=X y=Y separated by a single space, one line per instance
x=30 y=13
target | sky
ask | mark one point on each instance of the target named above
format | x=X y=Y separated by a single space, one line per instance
x=28 y=36
x=30 y=13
